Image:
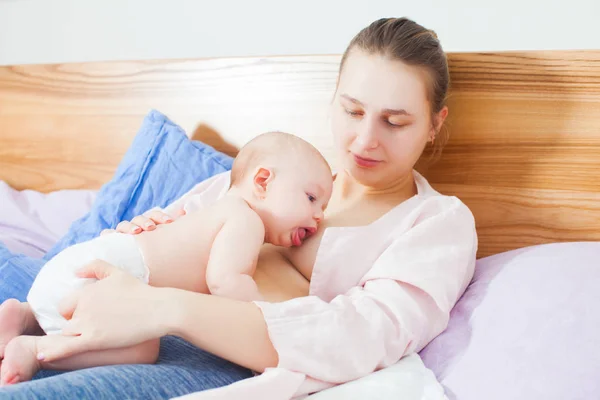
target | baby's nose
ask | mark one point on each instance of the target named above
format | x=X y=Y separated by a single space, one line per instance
x=319 y=217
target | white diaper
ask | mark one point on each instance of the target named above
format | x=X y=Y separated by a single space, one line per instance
x=57 y=278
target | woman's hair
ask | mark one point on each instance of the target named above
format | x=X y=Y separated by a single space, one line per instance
x=404 y=40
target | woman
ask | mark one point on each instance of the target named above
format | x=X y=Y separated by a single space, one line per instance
x=376 y=282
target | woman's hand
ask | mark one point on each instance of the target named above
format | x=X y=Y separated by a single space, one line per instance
x=142 y=223
x=116 y=311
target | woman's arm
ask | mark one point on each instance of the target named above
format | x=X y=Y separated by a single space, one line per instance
x=231 y=329
x=120 y=311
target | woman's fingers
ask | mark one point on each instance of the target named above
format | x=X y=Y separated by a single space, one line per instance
x=149 y=221
x=128 y=227
x=71 y=328
x=146 y=222
x=67 y=306
x=64 y=348
x=159 y=217
x=97 y=269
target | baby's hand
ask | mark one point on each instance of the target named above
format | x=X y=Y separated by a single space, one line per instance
x=142 y=223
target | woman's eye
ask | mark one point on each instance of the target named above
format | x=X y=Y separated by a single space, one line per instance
x=352 y=113
x=393 y=125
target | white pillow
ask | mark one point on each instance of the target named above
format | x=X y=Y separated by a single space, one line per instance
x=527 y=328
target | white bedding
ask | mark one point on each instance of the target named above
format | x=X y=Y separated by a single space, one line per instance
x=408 y=379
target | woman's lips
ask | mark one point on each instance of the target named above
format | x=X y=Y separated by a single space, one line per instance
x=365 y=162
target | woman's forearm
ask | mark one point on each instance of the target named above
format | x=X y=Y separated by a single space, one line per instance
x=231 y=329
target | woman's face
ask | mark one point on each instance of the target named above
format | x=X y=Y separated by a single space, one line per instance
x=381 y=119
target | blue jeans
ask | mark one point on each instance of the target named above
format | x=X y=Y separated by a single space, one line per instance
x=181 y=368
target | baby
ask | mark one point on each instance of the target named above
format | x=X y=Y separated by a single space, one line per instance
x=280 y=186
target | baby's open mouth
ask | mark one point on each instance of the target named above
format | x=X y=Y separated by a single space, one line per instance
x=300 y=234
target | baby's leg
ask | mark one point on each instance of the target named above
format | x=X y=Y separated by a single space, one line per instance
x=21 y=363
x=16 y=319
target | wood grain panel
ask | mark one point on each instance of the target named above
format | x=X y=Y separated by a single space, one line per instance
x=509 y=218
x=84 y=116
x=525 y=127
x=524 y=152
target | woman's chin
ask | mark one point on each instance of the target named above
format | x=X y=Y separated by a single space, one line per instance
x=362 y=174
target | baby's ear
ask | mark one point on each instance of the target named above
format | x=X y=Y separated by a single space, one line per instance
x=262 y=177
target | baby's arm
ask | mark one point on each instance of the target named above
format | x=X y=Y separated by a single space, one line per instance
x=233 y=257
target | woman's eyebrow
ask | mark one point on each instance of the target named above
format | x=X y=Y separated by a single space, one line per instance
x=389 y=111
x=401 y=111
x=352 y=99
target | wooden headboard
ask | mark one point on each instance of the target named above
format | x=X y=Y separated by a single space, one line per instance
x=524 y=152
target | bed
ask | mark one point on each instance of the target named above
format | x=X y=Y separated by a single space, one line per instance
x=524 y=154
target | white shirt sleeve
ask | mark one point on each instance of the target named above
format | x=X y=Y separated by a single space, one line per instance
x=202 y=194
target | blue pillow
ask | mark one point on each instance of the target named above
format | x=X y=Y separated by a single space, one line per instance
x=161 y=165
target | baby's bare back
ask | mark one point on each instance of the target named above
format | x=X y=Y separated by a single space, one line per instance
x=177 y=253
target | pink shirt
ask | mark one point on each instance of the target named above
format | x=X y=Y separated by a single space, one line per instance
x=377 y=293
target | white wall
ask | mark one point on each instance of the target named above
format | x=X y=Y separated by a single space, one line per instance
x=49 y=31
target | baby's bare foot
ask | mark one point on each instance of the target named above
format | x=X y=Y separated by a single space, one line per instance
x=20 y=360
x=13 y=320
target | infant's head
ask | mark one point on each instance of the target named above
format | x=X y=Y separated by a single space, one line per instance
x=287 y=182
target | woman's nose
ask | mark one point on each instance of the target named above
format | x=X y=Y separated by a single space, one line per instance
x=366 y=135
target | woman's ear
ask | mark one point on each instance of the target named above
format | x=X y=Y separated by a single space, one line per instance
x=439 y=119
x=262 y=177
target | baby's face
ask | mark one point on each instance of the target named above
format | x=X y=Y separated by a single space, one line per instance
x=297 y=198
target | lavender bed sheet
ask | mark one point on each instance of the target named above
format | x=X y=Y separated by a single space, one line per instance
x=31 y=222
